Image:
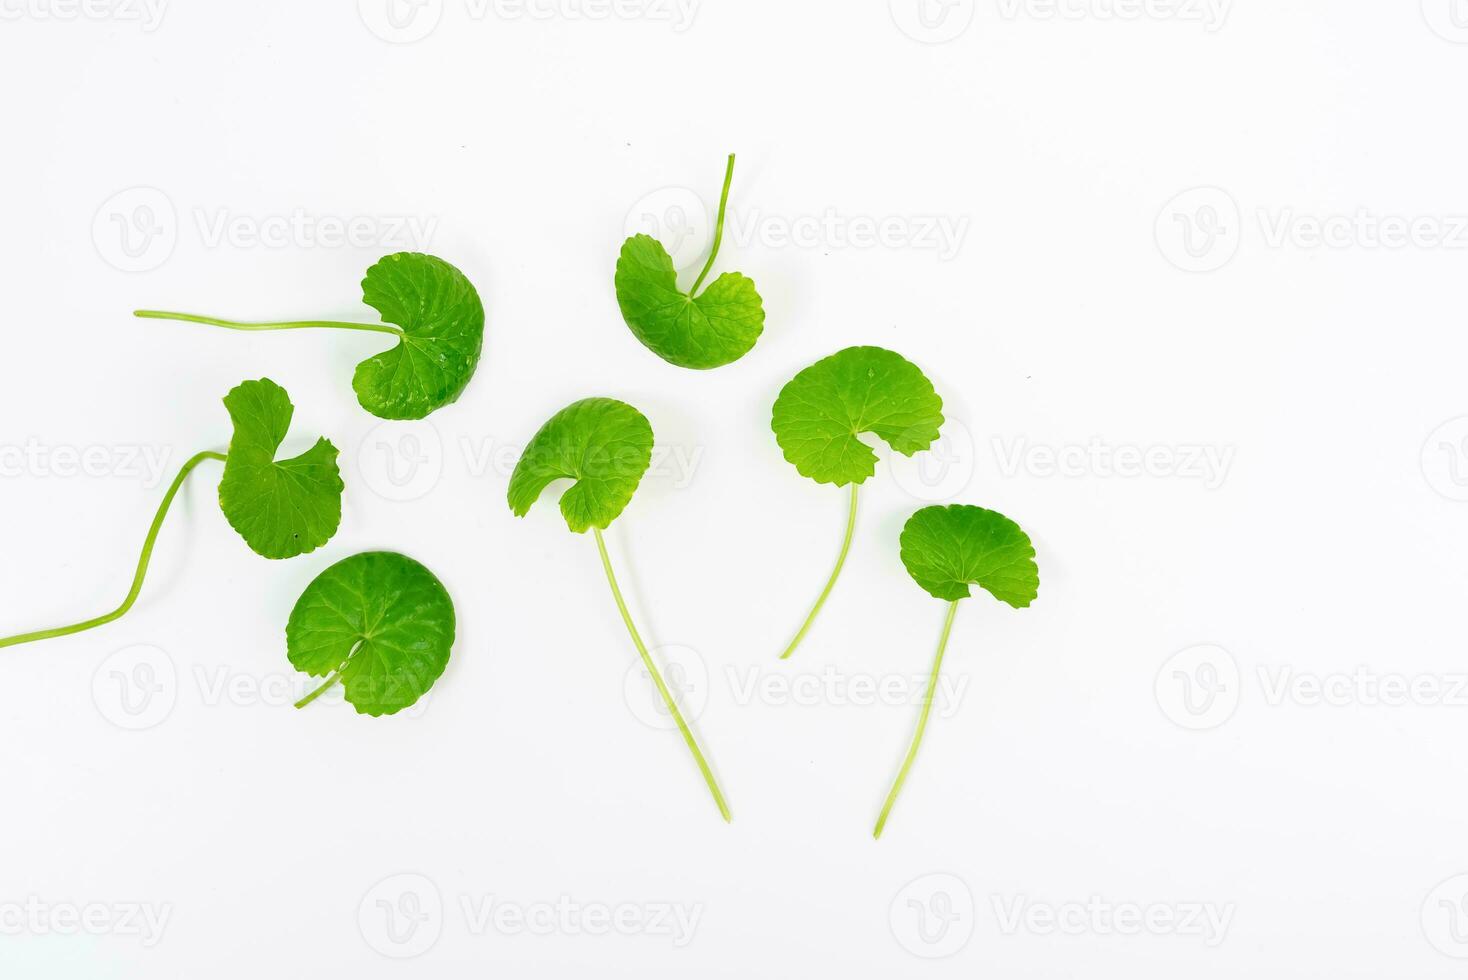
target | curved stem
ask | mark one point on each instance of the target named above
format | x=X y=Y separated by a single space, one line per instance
x=657 y=678
x=285 y=325
x=831 y=583
x=718 y=227
x=142 y=570
x=335 y=676
x=917 y=737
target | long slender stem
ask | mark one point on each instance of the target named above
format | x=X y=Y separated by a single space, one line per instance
x=917 y=737
x=138 y=576
x=657 y=678
x=718 y=227
x=284 y=325
x=831 y=583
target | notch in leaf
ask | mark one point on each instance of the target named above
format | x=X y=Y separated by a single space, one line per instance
x=947 y=549
x=821 y=413
x=605 y=446
x=439 y=323
x=692 y=329
x=379 y=623
x=282 y=508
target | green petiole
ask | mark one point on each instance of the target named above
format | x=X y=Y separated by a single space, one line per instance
x=142 y=570
x=718 y=228
x=831 y=583
x=283 y=325
x=917 y=738
x=657 y=679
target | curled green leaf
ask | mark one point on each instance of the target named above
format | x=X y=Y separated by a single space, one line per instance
x=603 y=444
x=692 y=330
x=947 y=549
x=282 y=508
x=443 y=332
x=821 y=413
x=379 y=623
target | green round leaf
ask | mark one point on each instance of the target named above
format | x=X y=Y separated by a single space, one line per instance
x=443 y=322
x=601 y=443
x=822 y=410
x=947 y=549
x=380 y=620
x=709 y=330
x=281 y=509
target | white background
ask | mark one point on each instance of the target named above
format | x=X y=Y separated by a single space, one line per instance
x=1089 y=311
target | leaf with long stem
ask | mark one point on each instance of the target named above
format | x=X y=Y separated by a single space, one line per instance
x=605 y=446
x=429 y=306
x=946 y=550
